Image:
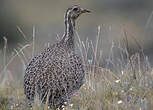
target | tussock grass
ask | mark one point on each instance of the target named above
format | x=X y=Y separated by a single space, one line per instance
x=126 y=83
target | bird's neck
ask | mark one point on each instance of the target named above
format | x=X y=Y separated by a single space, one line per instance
x=68 y=37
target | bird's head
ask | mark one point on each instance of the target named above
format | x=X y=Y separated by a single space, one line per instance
x=75 y=11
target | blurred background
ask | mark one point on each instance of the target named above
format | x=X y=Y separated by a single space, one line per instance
x=17 y=18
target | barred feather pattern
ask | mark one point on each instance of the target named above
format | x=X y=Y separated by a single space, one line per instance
x=56 y=72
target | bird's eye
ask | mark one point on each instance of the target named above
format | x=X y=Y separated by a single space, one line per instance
x=75 y=9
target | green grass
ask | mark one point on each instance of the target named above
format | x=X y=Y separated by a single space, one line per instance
x=126 y=85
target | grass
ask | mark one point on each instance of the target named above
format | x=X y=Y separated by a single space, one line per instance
x=126 y=83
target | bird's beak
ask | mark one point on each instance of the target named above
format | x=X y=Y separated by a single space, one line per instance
x=85 y=11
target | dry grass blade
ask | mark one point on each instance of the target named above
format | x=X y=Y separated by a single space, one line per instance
x=46 y=104
x=16 y=55
x=5 y=47
x=149 y=20
x=96 y=47
x=33 y=36
x=20 y=30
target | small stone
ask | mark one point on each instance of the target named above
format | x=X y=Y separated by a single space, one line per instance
x=117 y=81
x=119 y=102
x=71 y=105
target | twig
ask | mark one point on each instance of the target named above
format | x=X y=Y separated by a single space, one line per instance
x=149 y=20
x=5 y=47
x=33 y=35
x=15 y=55
x=19 y=29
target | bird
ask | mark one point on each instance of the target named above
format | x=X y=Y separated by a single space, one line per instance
x=57 y=72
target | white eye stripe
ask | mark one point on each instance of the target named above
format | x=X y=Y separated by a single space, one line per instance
x=67 y=21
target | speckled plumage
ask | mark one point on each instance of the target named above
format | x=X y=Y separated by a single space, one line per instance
x=57 y=70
